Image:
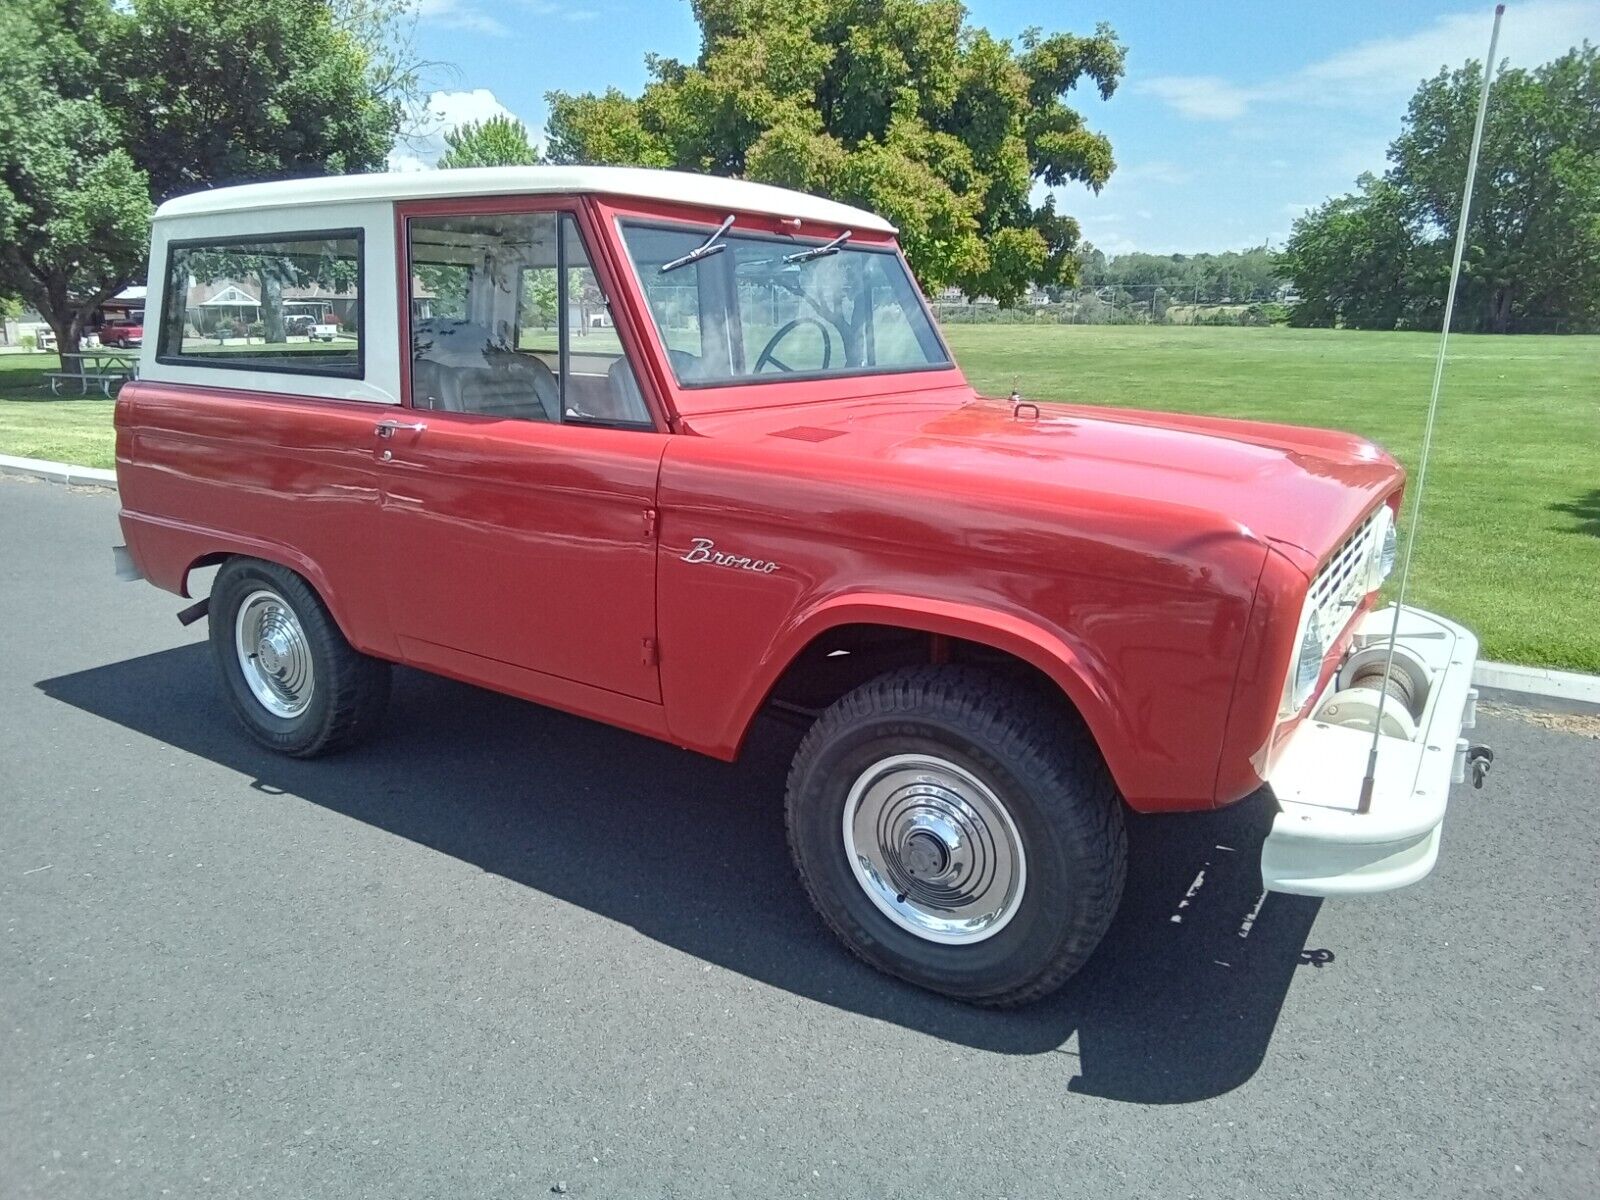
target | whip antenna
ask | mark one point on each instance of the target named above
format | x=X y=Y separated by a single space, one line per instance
x=1433 y=404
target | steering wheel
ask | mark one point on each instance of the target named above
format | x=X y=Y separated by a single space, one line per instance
x=767 y=356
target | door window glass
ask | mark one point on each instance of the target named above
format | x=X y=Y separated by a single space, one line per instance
x=508 y=320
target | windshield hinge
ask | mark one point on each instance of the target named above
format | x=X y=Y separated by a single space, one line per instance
x=650 y=524
x=651 y=656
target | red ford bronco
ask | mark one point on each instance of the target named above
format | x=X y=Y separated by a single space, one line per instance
x=669 y=452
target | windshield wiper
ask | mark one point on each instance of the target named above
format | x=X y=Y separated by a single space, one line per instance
x=712 y=245
x=832 y=247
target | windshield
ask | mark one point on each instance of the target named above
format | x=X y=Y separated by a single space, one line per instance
x=744 y=308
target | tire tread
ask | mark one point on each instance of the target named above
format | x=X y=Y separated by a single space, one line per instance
x=1018 y=724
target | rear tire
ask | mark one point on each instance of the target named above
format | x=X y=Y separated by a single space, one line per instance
x=958 y=831
x=295 y=683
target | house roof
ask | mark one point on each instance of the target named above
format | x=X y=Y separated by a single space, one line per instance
x=679 y=187
x=230 y=297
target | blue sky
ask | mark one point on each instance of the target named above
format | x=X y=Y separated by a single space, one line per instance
x=1231 y=120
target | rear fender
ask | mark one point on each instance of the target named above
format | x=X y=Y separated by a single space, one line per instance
x=169 y=553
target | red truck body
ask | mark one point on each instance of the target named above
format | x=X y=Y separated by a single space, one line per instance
x=1152 y=566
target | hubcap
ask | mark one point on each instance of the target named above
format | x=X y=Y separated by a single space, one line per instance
x=934 y=848
x=274 y=655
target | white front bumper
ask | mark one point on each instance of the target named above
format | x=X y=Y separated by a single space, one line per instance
x=1320 y=844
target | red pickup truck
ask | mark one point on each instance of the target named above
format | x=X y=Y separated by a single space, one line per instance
x=672 y=452
x=124 y=331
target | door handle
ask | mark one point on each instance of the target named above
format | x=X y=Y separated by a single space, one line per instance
x=387 y=428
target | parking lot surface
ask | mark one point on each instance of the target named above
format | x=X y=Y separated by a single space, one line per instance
x=501 y=951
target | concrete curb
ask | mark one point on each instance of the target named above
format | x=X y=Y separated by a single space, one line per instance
x=1559 y=691
x=54 y=472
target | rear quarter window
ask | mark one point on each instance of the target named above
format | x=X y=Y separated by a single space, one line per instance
x=286 y=302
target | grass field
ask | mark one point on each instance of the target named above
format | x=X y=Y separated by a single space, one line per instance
x=1510 y=539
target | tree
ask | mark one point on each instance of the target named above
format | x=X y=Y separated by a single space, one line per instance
x=1533 y=240
x=1233 y=275
x=212 y=92
x=105 y=107
x=1359 y=261
x=74 y=209
x=498 y=142
x=896 y=105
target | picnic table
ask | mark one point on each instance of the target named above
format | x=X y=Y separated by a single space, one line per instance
x=105 y=368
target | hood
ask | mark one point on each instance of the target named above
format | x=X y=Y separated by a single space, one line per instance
x=1301 y=488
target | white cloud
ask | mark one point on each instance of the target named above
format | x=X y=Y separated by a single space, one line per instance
x=459 y=14
x=1157 y=171
x=444 y=111
x=1378 y=73
x=1200 y=97
x=561 y=12
x=1531 y=34
x=464 y=14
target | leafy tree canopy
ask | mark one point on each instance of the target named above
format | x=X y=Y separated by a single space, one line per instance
x=899 y=106
x=212 y=92
x=106 y=107
x=498 y=142
x=1204 y=278
x=1379 y=257
x=74 y=207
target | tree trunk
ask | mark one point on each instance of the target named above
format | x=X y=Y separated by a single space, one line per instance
x=68 y=329
x=272 y=304
x=1500 y=310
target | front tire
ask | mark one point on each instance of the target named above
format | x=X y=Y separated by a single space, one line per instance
x=958 y=831
x=294 y=682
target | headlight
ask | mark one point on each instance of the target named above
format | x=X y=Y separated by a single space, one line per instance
x=1307 y=663
x=1385 y=544
x=1307 y=666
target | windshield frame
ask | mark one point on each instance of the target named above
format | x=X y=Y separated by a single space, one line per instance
x=755 y=229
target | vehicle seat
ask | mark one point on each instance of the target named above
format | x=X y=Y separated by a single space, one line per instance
x=515 y=386
x=626 y=401
x=685 y=365
x=458 y=366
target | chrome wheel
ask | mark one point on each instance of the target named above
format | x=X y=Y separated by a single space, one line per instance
x=934 y=849
x=274 y=655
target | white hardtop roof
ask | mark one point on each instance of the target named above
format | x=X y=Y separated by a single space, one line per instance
x=679 y=187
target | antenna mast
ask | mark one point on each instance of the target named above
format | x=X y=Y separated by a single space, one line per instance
x=1433 y=402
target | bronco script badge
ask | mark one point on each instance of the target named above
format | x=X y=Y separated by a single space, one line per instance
x=704 y=550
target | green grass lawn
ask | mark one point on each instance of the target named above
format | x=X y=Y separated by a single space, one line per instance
x=35 y=424
x=1510 y=539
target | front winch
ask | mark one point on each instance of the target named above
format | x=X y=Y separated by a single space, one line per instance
x=1372 y=681
x=1357 y=708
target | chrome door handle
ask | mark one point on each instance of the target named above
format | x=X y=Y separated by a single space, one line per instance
x=387 y=428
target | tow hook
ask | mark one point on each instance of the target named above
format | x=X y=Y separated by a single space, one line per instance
x=1479 y=759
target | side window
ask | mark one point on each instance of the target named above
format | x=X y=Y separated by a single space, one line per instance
x=287 y=302
x=507 y=320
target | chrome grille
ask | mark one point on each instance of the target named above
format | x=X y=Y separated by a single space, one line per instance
x=1342 y=582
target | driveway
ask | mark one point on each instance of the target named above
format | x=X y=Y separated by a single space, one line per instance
x=501 y=951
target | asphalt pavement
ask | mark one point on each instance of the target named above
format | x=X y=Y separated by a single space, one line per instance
x=501 y=951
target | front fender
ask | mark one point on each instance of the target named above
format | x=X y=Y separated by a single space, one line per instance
x=1071 y=666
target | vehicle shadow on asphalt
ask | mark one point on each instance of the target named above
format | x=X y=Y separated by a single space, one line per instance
x=1179 y=1004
